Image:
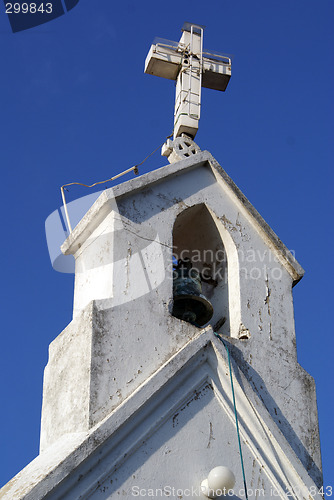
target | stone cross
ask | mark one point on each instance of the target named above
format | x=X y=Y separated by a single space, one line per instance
x=192 y=68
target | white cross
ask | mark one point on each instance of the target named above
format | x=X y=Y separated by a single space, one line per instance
x=192 y=68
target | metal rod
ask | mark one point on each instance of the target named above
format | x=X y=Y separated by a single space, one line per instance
x=65 y=208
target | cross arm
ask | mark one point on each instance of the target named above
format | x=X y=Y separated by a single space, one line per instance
x=216 y=71
x=163 y=59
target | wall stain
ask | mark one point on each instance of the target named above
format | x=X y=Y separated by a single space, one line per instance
x=211 y=438
x=197 y=395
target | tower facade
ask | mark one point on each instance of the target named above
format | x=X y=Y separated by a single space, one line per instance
x=138 y=402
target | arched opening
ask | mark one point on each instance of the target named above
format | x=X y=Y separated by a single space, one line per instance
x=196 y=238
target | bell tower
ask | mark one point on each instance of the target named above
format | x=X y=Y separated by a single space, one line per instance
x=178 y=374
x=125 y=330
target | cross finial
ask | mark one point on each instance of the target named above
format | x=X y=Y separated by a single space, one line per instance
x=192 y=68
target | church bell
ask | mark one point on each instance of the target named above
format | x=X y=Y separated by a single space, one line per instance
x=189 y=302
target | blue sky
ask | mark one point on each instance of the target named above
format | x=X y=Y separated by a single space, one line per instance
x=76 y=106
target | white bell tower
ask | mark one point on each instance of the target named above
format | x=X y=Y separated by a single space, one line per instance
x=140 y=402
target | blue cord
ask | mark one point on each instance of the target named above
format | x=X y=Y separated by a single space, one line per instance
x=235 y=413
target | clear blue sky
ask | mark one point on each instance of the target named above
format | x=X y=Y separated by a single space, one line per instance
x=76 y=106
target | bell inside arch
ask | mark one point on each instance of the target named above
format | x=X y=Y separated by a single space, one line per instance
x=189 y=302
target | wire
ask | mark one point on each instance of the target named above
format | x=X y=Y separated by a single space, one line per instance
x=134 y=168
x=156 y=149
x=235 y=413
x=102 y=182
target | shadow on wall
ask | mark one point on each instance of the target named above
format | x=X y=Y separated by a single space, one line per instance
x=282 y=423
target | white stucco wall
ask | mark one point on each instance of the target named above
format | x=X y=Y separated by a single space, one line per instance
x=170 y=433
x=124 y=258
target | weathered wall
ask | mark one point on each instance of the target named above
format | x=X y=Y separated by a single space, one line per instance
x=169 y=433
x=125 y=261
